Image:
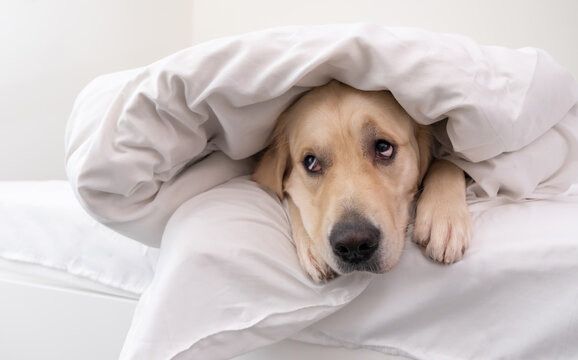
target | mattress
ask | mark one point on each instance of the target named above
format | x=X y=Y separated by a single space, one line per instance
x=51 y=314
x=17 y=272
x=69 y=285
x=42 y=223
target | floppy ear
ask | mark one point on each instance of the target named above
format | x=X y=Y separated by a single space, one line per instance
x=274 y=165
x=425 y=144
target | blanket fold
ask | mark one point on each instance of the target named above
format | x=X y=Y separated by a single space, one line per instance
x=139 y=143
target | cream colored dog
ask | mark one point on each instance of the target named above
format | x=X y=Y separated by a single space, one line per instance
x=351 y=164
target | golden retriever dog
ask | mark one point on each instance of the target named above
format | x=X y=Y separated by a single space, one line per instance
x=351 y=164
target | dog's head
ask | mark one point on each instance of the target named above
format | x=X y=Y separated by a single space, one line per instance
x=350 y=163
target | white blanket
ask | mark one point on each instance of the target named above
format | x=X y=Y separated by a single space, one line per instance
x=228 y=281
x=137 y=142
x=144 y=145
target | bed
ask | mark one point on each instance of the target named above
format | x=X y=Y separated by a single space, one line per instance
x=76 y=313
x=213 y=106
x=69 y=306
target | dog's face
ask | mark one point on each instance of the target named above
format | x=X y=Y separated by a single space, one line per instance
x=350 y=163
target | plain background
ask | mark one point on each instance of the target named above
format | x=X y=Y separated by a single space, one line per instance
x=50 y=49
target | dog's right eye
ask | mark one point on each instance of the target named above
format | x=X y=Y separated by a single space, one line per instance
x=311 y=164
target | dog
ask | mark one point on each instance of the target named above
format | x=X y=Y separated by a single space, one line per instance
x=351 y=165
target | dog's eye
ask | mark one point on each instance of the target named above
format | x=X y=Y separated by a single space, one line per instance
x=311 y=164
x=383 y=150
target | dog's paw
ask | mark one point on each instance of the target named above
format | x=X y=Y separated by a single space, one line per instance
x=318 y=270
x=442 y=227
x=315 y=267
x=309 y=257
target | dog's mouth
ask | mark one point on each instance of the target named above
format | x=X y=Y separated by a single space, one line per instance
x=373 y=266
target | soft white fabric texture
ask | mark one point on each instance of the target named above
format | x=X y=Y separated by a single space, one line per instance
x=142 y=143
x=136 y=139
x=514 y=296
x=228 y=281
x=42 y=223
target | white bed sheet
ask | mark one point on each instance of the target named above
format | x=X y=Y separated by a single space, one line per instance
x=18 y=272
x=42 y=223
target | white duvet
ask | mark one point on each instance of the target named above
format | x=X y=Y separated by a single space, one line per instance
x=141 y=143
x=133 y=136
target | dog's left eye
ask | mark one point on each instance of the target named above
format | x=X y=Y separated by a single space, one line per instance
x=384 y=150
x=311 y=164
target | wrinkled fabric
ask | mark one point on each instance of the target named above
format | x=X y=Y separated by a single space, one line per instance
x=513 y=296
x=228 y=281
x=141 y=142
x=42 y=223
x=155 y=143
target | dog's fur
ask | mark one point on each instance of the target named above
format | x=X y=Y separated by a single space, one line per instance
x=351 y=164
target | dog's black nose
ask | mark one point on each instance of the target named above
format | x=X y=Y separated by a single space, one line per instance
x=354 y=242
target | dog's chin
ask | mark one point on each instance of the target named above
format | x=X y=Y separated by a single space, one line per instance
x=345 y=268
x=325 y=273
x=375 y=266
x=378 y=264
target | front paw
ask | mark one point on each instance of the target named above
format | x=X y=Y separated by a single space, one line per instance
x=309 y=257
x=316 y=268
x=442 y=227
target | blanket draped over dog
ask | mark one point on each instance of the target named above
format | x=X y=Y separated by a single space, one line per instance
x=143 y=145
x=141 y=142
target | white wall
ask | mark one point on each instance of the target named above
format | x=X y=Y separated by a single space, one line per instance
x=49 y=49
x=551 y=25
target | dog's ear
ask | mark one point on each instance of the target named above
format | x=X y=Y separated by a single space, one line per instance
x=274 y=166
x=425 y=144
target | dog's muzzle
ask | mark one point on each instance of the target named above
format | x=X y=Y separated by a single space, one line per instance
x=354 y=242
